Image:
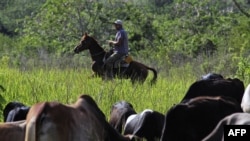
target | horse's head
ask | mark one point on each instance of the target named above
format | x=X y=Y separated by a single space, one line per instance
x=85 y=43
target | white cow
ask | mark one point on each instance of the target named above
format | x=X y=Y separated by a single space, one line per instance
x=234 y=119
x=245 y=103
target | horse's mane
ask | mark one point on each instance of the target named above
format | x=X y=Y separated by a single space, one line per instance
x=94 y=40
x=87 y=36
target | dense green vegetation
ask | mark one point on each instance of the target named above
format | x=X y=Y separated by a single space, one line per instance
x=66 y=85
x=181 y=39
x=210 y=35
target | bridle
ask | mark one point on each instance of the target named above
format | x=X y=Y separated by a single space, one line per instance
x=94 y=55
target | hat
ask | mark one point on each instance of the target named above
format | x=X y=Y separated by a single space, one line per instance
x=118 y=22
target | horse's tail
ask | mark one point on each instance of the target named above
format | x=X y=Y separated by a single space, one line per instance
x=153 y=81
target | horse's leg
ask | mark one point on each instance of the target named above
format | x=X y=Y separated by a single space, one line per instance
x=137 y=79
x=97 y=69
x=93 y=75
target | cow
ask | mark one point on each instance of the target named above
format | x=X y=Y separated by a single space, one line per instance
x=119 y=113
x=9 y=107
x=12 y=131
x=211 y=76
x=18 y=113
x=216 y=87
x=148 y=124
x=81 y=121
x=245 y=103
x=235 y=119
x=15 y=111
x=196 y=118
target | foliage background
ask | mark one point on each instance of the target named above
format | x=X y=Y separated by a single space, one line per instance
x=211 y=35
x=189 y=38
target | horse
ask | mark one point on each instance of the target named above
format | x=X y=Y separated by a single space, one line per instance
x=136 y=71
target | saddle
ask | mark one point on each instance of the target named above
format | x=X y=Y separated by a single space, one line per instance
x=123 y=61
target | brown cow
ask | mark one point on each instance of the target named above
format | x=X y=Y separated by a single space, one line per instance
x=12 y=131
x=82 y=121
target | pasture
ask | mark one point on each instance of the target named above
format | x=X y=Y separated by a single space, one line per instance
x=65 y=85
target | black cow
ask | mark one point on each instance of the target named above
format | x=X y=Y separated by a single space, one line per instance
x=120 y=111
x=147 y=124
x=12 y=106
x=216 y=87
x=17 y=114
x=235 y=119
x=211 y=76
x=197 y=117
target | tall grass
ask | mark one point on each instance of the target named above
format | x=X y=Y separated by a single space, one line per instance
x=66 y=85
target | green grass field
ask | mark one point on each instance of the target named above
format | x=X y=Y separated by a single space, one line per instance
x=66 y=85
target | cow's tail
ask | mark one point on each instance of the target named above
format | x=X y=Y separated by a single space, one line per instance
x=31 y=119
x=30 y=134
x=153 y=81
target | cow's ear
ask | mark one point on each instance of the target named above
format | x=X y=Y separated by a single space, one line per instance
x=85 y=34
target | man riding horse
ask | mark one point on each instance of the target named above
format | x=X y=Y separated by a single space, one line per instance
x=119 y=64
x=120 y=48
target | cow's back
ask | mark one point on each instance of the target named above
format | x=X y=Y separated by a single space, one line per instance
x=81 y=121
x=119 y=113
x=216 y=87
x=17 y=114
x=235 y=119
x=12 y=131
x=9 y=107
x=189 y=119
x=57 y=122
x=147 y=124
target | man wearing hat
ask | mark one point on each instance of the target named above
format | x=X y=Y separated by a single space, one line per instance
x=120 y=48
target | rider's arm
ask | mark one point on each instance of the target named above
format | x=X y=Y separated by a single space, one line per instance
x=119 y=40
x=116 y=43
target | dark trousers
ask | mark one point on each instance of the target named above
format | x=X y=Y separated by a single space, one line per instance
x=110 y=62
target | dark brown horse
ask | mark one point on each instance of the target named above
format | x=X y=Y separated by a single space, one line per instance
x=136 y=71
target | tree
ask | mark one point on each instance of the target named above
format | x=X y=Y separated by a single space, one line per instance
x=241 y=9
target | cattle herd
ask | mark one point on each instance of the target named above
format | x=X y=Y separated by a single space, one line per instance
x=209 y=104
